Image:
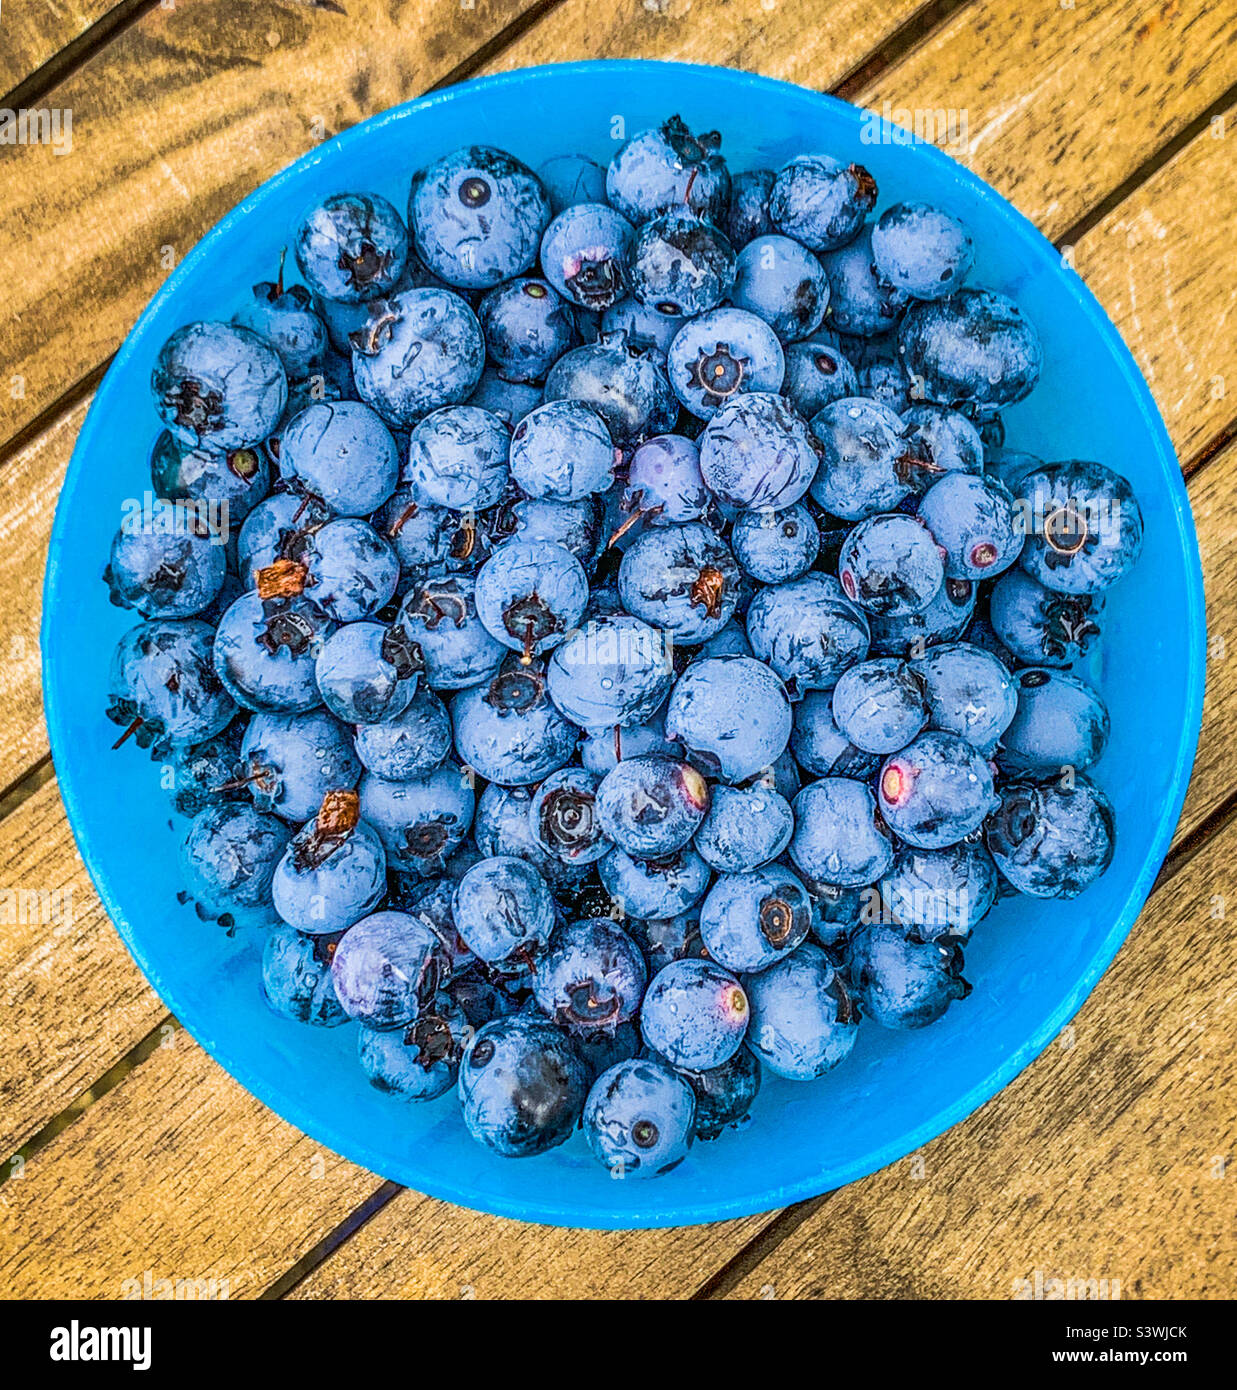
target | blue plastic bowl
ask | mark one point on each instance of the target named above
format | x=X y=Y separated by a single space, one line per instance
x=1032 y=963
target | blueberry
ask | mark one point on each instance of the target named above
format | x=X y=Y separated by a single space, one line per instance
x=936 y=791
x=757 y=452
x=387 y=969
x=669 y=168
x=803 y=1021
x=350 y=571
x=343 y=455
x=940 y=893
x=421 y=1061
x=644 y=328
x=440 y=617
x=352 y=247
x=921 y=250
x=285 y=319
x=522 y=1086
x=744 y=829
x=820 y=746
x=509 y=400
x=663 y=939
x=867 y=464
x=227 y=860
x=1010 y=466
x=651 y=805
x=839 y=835
x=296 y=977
x=291 y=761
x=886 y=382
x=947 y=439
x=218 y=386
x=276 y=527
x=527 y=328
x=654 y=888
x=409 y=744
x=170 y=565
x=639 y=1119
x=333 y=873
x=664 y=484
x=879 y=705
x=457 y=457
x=944 y=620
x=1054 y=840
x=419 y=350
x=837 y=916
x=748 y=215
x=572 y=178
x=975 y=349
x=1043 y=627
x=973 y=520
x=199 y=775
x=562 y=451
x=599 y=755
x=821 y=202
x=367 y=673
x=504 y=826
x=509 y=731
x=748 y=921
x=968 y=692
x=817 y=374
x=420 y=820
x=613 y=671
x=624 y=384
x=477 y=216
x=721 y=355
x=530 y=594
x=1084 y=527
x=783 y=283
x=591 y=976
x=808 y=631
x=163 y=688
x=681 y=265
x=725 y=1094
x=695 y=1014
x=860 y=303
x=431 y=904
x=1060 y=723
x=904 y=984
x=730 y=640
x=681 y=579
x=237 y=479
x=732 y=713
x=563 y=817
x=576 y=526
x=890 y=564
x=585 y=254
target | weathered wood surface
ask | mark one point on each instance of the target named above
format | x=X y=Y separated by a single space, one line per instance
x=189 y=109
x=32 y=31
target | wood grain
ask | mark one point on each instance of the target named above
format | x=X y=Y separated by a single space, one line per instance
x=1111 y=1157
x=1064 y=103
x=71 y=997
x=1162 y=263
x=178 y=1171
x=36 y=30
x=175 y=121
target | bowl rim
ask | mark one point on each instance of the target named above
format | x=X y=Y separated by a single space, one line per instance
x=683 y=1211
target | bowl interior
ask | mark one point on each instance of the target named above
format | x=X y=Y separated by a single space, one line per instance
x=1031 y=964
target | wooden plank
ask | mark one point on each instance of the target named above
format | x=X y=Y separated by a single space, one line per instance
x=1109 y=1158
x=178 y=118
x=177 y=1172
x=418 y=1248
x=1064 y=103
x=812 y=42
x=36 y=30
x=72 y=1000
x=1161 y=264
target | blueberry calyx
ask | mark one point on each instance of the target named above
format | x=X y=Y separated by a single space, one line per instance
x=707 y=591
x=645 y=1134
x=1069 y=623
x=865 y=185
x=243 y=464
x=516 y=688
x=369 y=339
x=568 y=822
x=598 y=281
x=337 y=818
x=434 y=603
x=366 y=266
x=432 y=1036
x=474 y=192
x=590 y=1005
x=777 y=921
x=195 y=409
x=529 y=620
x=718 y=373
x=401 y=652
x=285 y=627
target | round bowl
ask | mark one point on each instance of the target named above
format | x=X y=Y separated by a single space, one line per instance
x=1032 y=963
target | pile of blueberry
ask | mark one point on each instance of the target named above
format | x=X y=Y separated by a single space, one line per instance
x=638 y=659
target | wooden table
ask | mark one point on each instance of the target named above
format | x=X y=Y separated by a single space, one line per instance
x=1113 y=125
